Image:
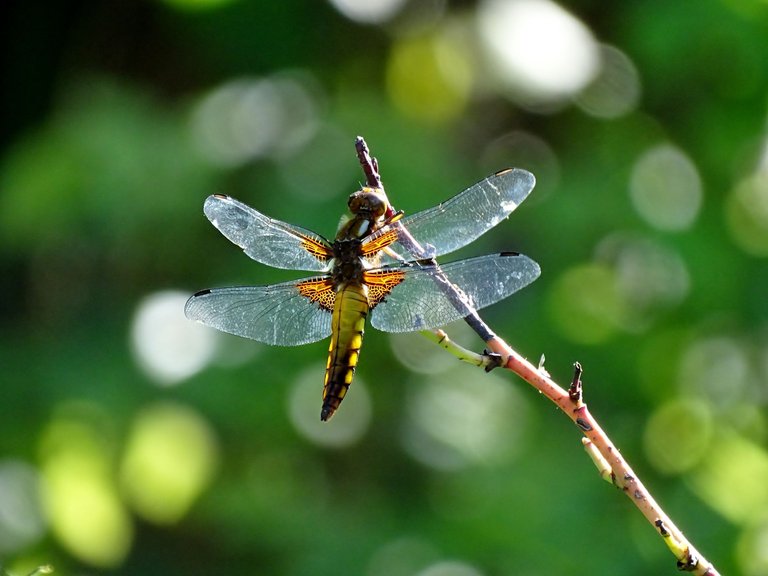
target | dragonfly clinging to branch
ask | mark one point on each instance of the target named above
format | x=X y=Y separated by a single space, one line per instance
x=369 y=269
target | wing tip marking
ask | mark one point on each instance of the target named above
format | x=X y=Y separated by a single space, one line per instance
x=519 y=172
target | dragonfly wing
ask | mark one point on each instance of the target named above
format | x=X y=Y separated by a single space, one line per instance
x=265 y=239
x=465 y=217
x=281 y=314
x=419 y=302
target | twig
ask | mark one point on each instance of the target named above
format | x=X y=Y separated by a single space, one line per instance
x=487 y=361
x=369 y=164
x=610 y=463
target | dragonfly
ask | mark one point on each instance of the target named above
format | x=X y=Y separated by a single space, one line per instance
x=377 y=266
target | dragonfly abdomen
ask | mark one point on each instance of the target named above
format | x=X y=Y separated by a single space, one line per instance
x=347 y=328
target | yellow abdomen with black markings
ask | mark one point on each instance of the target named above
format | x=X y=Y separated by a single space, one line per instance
x=350 y=311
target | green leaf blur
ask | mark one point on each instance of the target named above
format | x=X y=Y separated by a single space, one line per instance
x=132 y=442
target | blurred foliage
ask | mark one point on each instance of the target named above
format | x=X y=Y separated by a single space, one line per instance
x=134 y=443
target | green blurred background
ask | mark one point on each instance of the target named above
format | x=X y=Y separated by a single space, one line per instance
x=135 y=442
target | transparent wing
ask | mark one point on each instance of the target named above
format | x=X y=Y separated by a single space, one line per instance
x=465 y=217
x=275 y=314
x=419 y=303
x=266 y=240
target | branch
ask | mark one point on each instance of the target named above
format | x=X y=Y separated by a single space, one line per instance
x=487 y=361
x=607 y=458
x=609 y=461
x=369 y=164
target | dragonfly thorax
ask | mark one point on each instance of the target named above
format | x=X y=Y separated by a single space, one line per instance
x=347 y=263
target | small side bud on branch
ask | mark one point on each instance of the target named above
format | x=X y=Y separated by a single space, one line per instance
x=603 y=467
x=541 y=368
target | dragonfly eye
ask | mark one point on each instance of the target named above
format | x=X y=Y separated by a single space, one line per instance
x=368 y=202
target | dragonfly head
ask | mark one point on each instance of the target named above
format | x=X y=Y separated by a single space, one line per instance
x=369 y=203
x=368 y=207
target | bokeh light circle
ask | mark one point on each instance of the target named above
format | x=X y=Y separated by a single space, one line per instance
x=747 y=214
x=348 y=424
x=650 y=277
x=677 y=435
x=169 y=459
x=537 y=50
x=450 y=568
x=401 y=557
x=665 y=188
x=717 y=369
x=752 y=549
x=615 y=91
x=251 y=118
x=166 y=344
x=733 y=477
x=368 y=11
x=459 y=419
x=79 y=493
x=21 y=516
x=429 y=78
x=586 y=304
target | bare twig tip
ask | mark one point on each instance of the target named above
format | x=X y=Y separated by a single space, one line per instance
x=574 y=391
x=370 y=165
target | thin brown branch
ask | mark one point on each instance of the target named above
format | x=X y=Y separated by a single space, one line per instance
x=619 y=471
x=368 y=163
